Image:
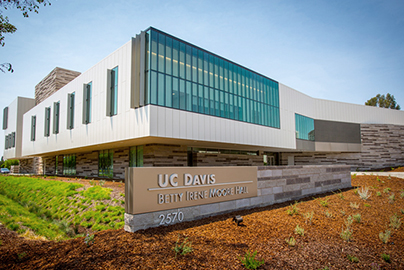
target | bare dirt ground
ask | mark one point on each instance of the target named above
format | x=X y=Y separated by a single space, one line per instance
x=218 y=243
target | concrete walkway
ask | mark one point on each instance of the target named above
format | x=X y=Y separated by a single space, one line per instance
x=392 y=174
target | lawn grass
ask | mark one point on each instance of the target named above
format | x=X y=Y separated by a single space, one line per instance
x=48 y=202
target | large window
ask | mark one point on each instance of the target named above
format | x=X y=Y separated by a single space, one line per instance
x=47 y=121
x=304 y=127
x=185 y=77
x=33 y=127
x=136 y=156
x=106 y=163
x=70 y=111
x=112 y=93
x=56 y=110
x=87 y=103
x=5 y=118
x=69 y=164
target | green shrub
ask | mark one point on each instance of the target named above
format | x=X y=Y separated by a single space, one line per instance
x=299 y=230
x=395 y=222
x=384 y=237
x=346 y=234
x=308 y=217
x=386 y=257
x=357 y=218
x=352 y=258
x=291 y=241
x=250 y=262
x=183 y=248
x=293 y=210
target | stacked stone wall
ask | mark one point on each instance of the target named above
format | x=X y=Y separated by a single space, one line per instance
x=382 y=147
x=27 y=165
x=55 y=80
x=206 y=159
x=87 y=164
x=161 y=155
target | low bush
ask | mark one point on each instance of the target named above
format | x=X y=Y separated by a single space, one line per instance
x=250 y=262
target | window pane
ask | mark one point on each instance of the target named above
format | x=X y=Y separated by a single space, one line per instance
x=161 y=52
x=169 y=44
x=169 y=93
x=161 y=93
x=176 y=94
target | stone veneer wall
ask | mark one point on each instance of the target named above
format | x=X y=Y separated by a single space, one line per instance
x=206 y=159
x=27 y=165
x=382 y=146
x=55 y=80
x=275 y=184
x=31 y=165
x=161 y=155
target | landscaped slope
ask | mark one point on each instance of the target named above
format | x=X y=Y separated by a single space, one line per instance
x=344 y=230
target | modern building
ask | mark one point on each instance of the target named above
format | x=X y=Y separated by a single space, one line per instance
x=161 y=101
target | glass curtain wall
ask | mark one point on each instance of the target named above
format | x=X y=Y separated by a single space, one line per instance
x=106 y=163
x=304 y=127
x=182 y=76
x=136 y=156
x=69 y=165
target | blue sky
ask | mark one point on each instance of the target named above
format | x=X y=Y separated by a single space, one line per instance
x=341 y=50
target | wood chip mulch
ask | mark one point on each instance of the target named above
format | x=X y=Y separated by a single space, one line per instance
x=218 y=243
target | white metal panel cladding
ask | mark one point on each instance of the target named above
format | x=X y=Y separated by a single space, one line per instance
x=127 y=124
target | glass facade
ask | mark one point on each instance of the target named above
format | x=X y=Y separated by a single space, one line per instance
x=69 y=165
x=136 y=156
x=182 y=76
x=304 y=127
x=106 y=163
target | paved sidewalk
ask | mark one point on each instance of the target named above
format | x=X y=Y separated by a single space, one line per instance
x=392 y=174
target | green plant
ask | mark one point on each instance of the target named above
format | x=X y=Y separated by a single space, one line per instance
x=291 y=241
x=353 y=176
x=183 y=248
x=342 y=212
x=328 y=214
x=102 y=183
x=21 y=255
x=352 y=258
x=299 y=230
x=392 y=198
x=250 y=262
x=89 y=239
x=384 y=237
x=378 y=194
x=340 y=194
x=395 y=222
x=357 y=218
x=378 y=179
x=293 y=210
x=386 y=190
x=308 y=217
x=346 y=234
x=324 y=203
x=402 y=211
x=367 y=205
x=364 y=193
x=386 y=257
x=354 y=205
x=348 y=222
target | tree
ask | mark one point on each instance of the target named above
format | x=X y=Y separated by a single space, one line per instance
x=6 y=27
x=382 y=101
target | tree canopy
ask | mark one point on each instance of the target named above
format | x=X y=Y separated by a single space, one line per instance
x=25 y=6
x=382 y=101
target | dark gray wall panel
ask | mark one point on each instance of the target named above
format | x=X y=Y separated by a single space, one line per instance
x=339 y=132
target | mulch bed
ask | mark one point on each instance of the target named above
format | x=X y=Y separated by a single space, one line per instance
x=218 y=243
